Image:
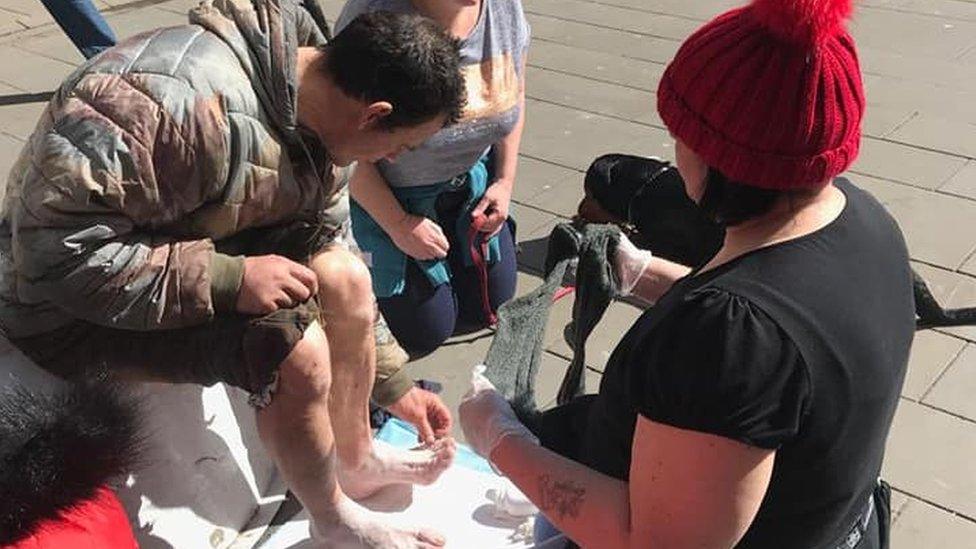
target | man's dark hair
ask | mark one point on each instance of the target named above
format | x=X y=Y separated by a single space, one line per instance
x=406 y=60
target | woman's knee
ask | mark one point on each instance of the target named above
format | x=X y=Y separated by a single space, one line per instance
x=421 y=327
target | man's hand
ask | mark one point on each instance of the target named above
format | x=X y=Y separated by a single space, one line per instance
x=494 y=206
x=420 y=238
x=426 y=411
x=272 y=282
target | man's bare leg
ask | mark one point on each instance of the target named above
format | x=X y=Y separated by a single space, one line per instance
x=348 y=312
x=295 y=428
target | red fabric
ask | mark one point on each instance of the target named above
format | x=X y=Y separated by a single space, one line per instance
x=98 y=523
x=766 y=108
x=479 y=254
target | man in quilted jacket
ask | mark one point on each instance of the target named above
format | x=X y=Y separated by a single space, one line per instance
x=176 y=216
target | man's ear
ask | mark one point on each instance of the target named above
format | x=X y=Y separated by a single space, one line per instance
x=373 y=113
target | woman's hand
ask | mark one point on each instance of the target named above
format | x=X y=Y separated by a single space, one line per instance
x=420 y=238
x=494 y=206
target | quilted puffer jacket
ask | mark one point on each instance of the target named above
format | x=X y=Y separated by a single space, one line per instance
x=147 y=155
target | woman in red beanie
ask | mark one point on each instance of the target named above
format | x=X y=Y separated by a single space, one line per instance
x=750 y=406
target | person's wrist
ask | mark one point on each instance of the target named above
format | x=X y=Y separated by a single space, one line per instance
x=506 y=443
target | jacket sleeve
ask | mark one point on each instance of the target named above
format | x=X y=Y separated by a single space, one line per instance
x=99 y=228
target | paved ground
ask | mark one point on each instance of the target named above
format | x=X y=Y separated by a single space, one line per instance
x=593 y=68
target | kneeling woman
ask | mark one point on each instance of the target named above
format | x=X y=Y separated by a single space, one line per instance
x=750 y=406
x=434 y=221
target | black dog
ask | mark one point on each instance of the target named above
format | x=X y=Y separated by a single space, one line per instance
x=646 y=198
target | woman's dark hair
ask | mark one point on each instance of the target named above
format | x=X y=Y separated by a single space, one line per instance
x=406 y=60
x=729 y=203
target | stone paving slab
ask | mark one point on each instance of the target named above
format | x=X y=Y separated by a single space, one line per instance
x=19 y=120
x=638 y=46
x=9 y=22
x=29 y=13
x=964 y=182
x=929 y=220
x=30 y=72
x=543 y=183
x=913 y=34
x=596 y=65
x=954 y=391
x=590 y=95
x=921 y=525
x=926 y=98
x=907 y=164
x=943 y=73
x=930 y=456
x=954 y=9
x=700 y=10
x=613 y=17
x=572 y=138
x=953 y=136
x=932 y=354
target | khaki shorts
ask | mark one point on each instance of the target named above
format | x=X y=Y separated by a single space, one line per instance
x=238 y=350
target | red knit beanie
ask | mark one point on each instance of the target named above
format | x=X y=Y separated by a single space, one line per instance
x=769 y=94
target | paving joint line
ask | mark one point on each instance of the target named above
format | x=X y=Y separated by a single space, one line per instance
x=924 y=148
x=621 y=55
x=901 y=183
x=596 y=113
x=943 y=268
x=911 y=116
x=942 y=374
x=885 y=139
x=589 y=78
x=599 y=26
x=653 y=12
x=551 y=163
x=934 y=408
x=933 y=504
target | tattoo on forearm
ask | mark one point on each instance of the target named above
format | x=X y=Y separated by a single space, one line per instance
x=562 y=497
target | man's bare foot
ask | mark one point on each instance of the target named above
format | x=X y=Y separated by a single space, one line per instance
x=388 y=465
x=354 y=527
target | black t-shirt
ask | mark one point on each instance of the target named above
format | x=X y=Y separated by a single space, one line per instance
x=799 y=347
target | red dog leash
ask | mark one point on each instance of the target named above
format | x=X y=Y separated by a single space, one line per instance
x=479 y=255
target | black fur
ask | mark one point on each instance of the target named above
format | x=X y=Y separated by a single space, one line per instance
x=647 y=195
x=56 y=450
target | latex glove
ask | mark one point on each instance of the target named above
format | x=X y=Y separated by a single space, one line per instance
x=629 y=263
x=425 y=411
x=508 y=500
x=486 y=417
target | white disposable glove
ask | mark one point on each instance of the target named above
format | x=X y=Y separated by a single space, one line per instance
x=629 y=263
x=509 y=501
x=487 y=418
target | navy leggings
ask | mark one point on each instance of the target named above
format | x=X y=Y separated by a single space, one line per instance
x=424 y=316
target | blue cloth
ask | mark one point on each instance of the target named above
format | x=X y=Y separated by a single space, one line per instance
x=83 y=24
x=401 y=434
x=387 y=263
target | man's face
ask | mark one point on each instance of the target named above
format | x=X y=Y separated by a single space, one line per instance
x=370 y=143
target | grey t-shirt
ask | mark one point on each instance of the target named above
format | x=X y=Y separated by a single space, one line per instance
x=492 y=57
